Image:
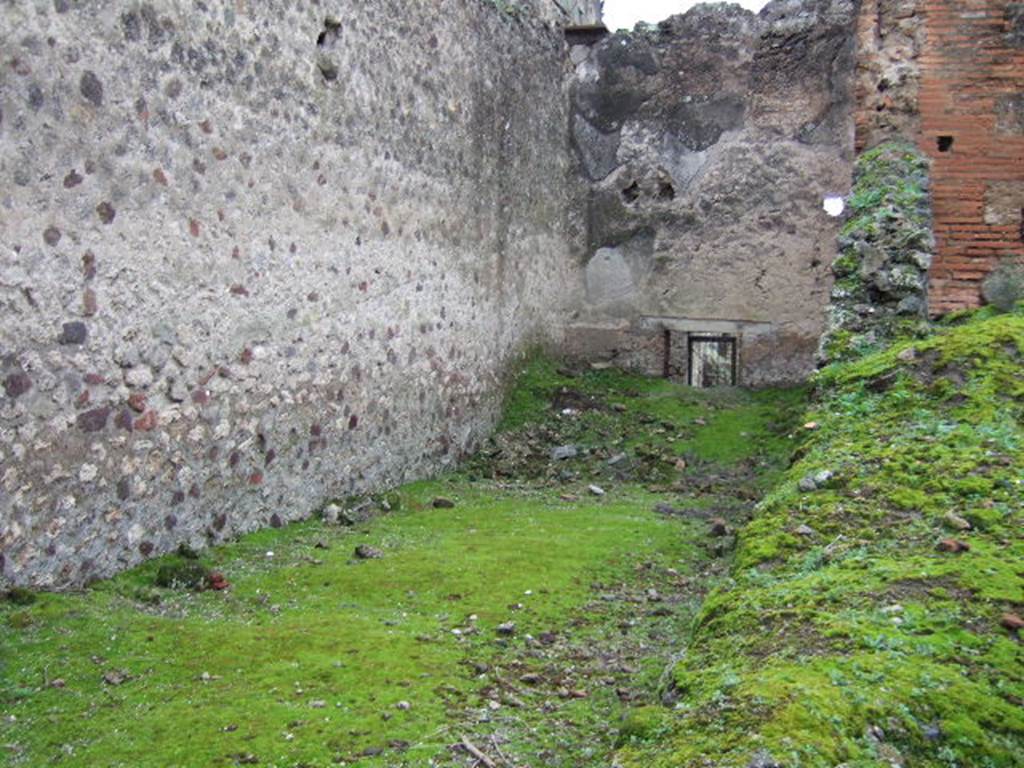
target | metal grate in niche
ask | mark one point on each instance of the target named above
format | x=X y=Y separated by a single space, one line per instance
x=712 y=361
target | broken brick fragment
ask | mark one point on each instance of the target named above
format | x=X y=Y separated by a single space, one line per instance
x=1012 y=622
x=147 y=422
x=218 y=582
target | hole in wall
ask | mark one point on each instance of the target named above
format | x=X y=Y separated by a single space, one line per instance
x=666 y=191
x=325 y=42
x=631 y=193
x=332 y=27
x=944 y=143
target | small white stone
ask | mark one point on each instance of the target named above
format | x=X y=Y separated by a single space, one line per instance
x=141 y=376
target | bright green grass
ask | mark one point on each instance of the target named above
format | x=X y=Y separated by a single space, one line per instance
x=655 y=420
x=359 y=636
x=217 y=678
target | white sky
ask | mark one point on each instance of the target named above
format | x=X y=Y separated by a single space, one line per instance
x=624 y=14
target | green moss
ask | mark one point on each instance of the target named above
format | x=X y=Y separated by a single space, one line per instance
x=642 y=724
x=884 y=248
x=20 y=596
x=858 y=642
x=840 y=634
x=182 y=573
x=528 y=398
x=846 y=264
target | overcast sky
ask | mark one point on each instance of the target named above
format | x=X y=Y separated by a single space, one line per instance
x=623 y=14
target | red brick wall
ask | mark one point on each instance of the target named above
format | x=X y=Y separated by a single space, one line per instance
x=972 y=89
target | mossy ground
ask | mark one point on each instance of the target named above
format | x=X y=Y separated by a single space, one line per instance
x=309 y=657
x=837 y=634
x=844 y=636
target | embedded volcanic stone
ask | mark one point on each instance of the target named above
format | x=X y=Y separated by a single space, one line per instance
x=91 y=88
x=442 y=503
x=51 y=236
x=94 y=420
x=106 y=212
x=73 y=333
x=17 y=384
x=366 y=552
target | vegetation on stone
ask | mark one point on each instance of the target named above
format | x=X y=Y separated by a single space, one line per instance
x=182 y=573
x=885 y=253
x=865 y=642
x=20 y=596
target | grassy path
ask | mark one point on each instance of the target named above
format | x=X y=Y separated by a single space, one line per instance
x=315 y=657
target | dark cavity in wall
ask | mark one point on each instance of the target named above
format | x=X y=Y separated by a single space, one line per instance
x=325 y=43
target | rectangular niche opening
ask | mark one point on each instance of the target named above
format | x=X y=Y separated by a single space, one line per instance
x=712 y=360
x=945 y=143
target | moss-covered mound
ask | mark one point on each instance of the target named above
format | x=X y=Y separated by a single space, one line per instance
x=870 y=618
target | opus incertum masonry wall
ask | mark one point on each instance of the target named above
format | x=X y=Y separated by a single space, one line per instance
x=257 y=254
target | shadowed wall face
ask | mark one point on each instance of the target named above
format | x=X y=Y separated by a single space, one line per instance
x=254 y=255
x=710 y=143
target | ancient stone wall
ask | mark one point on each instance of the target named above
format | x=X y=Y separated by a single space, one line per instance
x=886 y=247
x=890 y=40
x=710 y=143
x=258 y=254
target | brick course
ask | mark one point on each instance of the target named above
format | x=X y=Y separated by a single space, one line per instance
x=972 y=84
